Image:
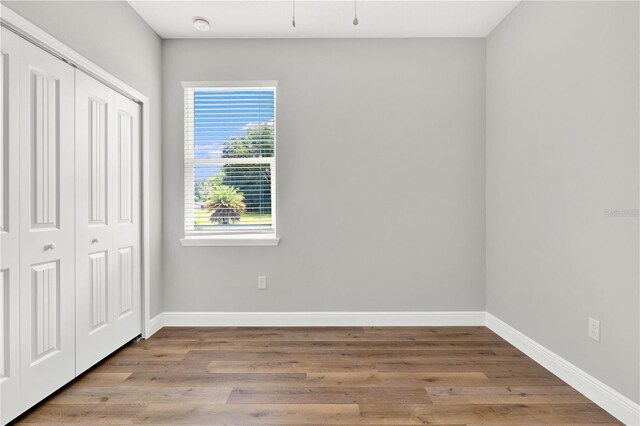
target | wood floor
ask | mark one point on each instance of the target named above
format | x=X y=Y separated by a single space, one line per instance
x=355 y=375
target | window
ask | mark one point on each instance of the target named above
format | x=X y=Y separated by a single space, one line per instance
x=229 y=163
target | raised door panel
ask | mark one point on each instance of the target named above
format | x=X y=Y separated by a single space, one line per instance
x=94 y=253
x=127 y=230
x=9 y=344
x=45 y=311
x=45 y=188
x=125 y=166
x=97 y=160
x=9 y=228
x=4 y=134
x=125 y=278
x=4 y=334
x=98 y=303
x=47 y=259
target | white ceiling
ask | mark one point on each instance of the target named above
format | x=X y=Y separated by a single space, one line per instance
x=324 y=18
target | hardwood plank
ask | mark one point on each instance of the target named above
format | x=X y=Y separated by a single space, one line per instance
x=398 y=379
x=213 y=379
x=456 y=365
x=347 y=354
x=123 y=366
x=505 y=395
x=328 y=345
x=288 y=366
x=524 y=378
x=103 y=379
x=141 y=395
x=485 y=414
x=340 y=334
x=330 y=395
x=88 y=414
x=415 y=331
x=321 y=414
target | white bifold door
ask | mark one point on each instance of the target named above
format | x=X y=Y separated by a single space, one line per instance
x=70 y=218
x=47 y=221
x=108 y=312
x=9 y=228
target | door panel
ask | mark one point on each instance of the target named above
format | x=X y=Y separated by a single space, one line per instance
x=97 y=160
x=127 y=229
x=45 y=308
x=94 y=241
x=98 y=277
x=125 y=277
x=124 y=167
x=47 y=271
x=9 y=229
x=44 y=152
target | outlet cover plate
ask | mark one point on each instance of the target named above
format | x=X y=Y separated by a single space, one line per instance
x=594 y=329
x=262 y=282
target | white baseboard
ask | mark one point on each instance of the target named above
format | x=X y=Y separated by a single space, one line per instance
x=327 y=319
x=609 y=399
x=155 y=324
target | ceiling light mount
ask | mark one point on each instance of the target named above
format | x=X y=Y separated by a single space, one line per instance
x=293 y=20
x=355 y=12
x=201 y=24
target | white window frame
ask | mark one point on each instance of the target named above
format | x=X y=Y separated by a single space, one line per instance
x=224 y=237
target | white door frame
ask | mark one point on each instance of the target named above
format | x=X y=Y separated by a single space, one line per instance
x=31 y=32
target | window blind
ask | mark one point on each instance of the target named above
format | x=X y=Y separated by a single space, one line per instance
x=229 y=159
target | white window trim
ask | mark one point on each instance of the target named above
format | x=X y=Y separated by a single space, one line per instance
x=225 y=239
x=230 y=240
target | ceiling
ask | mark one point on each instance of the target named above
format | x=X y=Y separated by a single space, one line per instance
x=324 y=18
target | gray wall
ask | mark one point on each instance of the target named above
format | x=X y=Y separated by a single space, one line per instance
x=381 y=169
x=562 y=148
x=111 y=34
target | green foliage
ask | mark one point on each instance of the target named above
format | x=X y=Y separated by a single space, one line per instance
x=257 y=142
x=203 y=186
x=225 y=204
x=254 y=180
x=250 y=181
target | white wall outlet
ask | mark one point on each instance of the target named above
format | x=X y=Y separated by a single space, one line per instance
x=594 y=329
x=262 y=282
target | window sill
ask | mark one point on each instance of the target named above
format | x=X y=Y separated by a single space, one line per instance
x=230 y=241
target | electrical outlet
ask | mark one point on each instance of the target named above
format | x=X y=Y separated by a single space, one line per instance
x=594 y=329
x=262 y=282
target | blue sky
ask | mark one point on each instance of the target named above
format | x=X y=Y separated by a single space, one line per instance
x=222 y=114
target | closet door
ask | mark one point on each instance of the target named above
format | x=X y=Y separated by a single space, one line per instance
x=108 y=311
x=127 y=230
x=94 y=199
x=9 y=229
x=47 y=225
